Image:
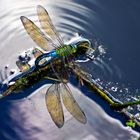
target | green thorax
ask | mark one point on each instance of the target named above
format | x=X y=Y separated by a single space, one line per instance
x=66 y=50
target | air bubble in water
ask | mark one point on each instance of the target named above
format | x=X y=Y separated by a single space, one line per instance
x=114 y=89
x=101 y=50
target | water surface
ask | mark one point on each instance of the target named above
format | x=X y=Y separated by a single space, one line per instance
x=115 y=24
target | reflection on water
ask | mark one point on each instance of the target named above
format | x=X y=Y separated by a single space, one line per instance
x=117 y=30
x=90 y=18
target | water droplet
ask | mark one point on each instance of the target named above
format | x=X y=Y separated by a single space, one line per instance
x=114 y=89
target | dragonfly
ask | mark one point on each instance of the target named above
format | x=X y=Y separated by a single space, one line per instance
x=59 y=91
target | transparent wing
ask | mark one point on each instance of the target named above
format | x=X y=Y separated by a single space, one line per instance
x=71 y=104
x=54 y=106
x=59 y=71
x=48 y=26
x=35 y=33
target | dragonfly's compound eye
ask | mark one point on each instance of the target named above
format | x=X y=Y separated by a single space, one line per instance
x=83 y=47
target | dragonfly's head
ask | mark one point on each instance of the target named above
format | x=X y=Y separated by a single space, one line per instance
x=83 y=46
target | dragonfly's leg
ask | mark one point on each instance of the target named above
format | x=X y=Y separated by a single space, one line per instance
x=51 y=78
x=81 y=81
